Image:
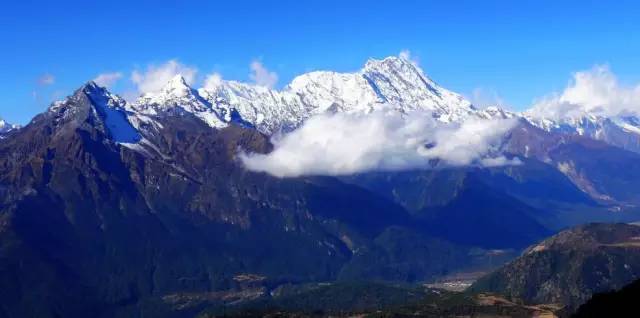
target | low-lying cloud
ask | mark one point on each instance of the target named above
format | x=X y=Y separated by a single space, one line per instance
x=343 y=144
x=596 y=91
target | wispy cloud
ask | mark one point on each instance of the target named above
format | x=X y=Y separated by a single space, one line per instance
x=212 y=81
x=483 y=98
x=155 y=77
x=406 y=55
x=46 y=79
x=596 y=91
x=342 y=144
x=43 y=81
x=107 y=79
x=261 y=75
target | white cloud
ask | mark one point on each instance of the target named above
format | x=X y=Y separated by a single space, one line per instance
x=483 y=98
x=406 y=55
x=499 y=161
x=262 y=76
x=46 y=79
x=212 y=81
x=107 y=79
x=595 y=91
x=342 y=144
x=156 y=76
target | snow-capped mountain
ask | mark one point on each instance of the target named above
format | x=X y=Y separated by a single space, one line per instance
x=495 y=112
x=106 y=110
x=177 y=96
x=392 y=81
x=621 y=131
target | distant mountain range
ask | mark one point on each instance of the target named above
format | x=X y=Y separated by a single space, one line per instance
x=122 y=208
x=391 y=81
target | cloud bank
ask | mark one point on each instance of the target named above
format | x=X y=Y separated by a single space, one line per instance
x=343 y=144
x=155 y=77
x=595 y=91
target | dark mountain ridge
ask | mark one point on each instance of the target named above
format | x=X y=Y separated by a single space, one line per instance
x=570 y=266
x=615 y=303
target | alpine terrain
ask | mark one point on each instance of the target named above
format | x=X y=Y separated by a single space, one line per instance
x=111 y=208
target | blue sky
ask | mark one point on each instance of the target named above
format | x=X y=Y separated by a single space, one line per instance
x=521 y=50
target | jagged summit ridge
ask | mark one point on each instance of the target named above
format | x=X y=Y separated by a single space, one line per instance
x=94 y=106
x=177 y=96
x=621 y=131
x=402 y=82
x=393 y=81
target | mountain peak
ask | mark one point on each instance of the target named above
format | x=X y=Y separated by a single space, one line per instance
x=95 y=91
x=395 y=61
x=100 y=94
x=175 y=90
x=91 y=86
x=177 y=80
x=90 y=90
x=395 y=66
x=94 y=107
x=177 y=96
x=400 y=81
x=177 y=86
